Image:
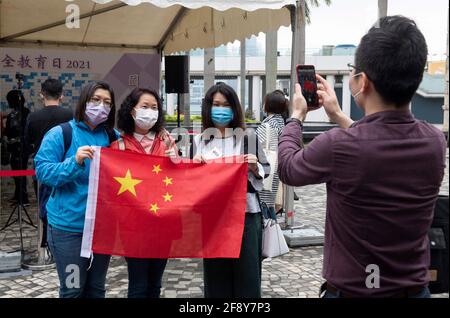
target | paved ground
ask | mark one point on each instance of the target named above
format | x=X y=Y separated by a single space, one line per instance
x=296 y=274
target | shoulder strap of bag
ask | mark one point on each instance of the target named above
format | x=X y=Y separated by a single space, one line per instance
x=67 y=136
x=250 y=187
x=111 y=135
x=246 y=145
x=267 y=137
x=121 y=144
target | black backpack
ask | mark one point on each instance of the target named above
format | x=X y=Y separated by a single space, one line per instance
x=14 y=125
x=439 y=236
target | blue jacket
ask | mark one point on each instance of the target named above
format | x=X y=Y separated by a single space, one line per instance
x=66 y=206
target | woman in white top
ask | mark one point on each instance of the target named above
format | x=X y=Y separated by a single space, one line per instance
x=224 y=135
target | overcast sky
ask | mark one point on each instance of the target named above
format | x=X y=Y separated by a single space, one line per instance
x=346 y=21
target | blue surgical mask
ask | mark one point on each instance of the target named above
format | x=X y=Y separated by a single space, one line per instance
x=221 y=116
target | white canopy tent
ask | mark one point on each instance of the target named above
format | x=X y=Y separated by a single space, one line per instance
x=164 y=25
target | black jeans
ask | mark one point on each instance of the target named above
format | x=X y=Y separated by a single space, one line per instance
x=145 y=277
x=20 y=182
x=237 y=277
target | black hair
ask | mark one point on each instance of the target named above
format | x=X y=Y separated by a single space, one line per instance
x=276 y=102
x=393 y=56
x=15 y=99
x=232 y=98
x=125 y=121
x=86 y=94
x=52 y=89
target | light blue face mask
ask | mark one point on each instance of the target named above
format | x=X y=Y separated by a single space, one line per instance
x=221 y=116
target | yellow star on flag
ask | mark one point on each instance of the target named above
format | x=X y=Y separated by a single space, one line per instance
x=127 y=183
x=167 y=197
x=154 y=208
x=156 y=169
x=167 y=181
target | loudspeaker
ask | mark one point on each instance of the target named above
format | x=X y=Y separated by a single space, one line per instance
x=177 y=74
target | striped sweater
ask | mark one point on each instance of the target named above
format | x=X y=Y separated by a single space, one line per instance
x=275 y=124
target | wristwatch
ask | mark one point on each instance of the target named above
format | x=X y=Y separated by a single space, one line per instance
x=295 y=120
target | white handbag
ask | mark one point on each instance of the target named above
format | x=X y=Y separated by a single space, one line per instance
x=272 y=158
x=273 y=242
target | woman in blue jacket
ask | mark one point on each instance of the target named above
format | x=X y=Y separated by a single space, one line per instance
x=68 y=173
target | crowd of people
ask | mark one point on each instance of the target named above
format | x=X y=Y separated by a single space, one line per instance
x=383 y=172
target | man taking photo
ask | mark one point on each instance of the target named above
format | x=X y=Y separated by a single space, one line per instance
x=383 y=173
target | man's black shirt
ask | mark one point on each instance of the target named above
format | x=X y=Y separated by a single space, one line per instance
x=40 y=122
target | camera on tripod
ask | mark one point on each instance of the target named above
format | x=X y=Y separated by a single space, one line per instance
x=20 y=78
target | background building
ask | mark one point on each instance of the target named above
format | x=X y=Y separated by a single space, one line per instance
x=330 y=62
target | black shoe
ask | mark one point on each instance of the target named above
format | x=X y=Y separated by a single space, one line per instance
x=280 y=212
x=296 y=198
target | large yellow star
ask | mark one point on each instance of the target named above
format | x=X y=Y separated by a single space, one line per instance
x=167 y=197
x=127 y=183
x=156 y=169
x=154 y=208
x=167 y=181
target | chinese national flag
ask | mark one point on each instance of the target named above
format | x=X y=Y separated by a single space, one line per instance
x=150 y=207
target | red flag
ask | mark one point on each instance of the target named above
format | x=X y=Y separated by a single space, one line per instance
x=150 y=207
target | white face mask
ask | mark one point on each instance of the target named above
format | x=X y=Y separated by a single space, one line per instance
x=360 y=91
x=145 y=118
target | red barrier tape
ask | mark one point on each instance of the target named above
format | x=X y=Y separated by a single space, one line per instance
x=16 y=173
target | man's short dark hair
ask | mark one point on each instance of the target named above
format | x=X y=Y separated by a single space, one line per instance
x=52 y=89
x=393 y=55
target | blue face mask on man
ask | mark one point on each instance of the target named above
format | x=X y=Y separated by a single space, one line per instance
x=221 y=116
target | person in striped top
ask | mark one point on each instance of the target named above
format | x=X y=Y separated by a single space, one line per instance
x=275 y=106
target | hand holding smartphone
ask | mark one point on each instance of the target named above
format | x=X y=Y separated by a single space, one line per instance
x=306 y=76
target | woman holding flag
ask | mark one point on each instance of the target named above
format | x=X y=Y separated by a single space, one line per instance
x=225 y=135
x=140 y=118
x=62 y=163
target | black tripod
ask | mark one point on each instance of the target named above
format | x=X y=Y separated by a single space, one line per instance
x=19 y=205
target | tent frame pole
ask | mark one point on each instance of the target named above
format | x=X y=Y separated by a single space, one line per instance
x=175 y=22
x=297 y=57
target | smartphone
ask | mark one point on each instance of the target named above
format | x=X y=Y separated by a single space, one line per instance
x=306 y=75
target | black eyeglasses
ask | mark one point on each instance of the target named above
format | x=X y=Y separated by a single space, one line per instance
x=97 y=101
x=351 y=66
